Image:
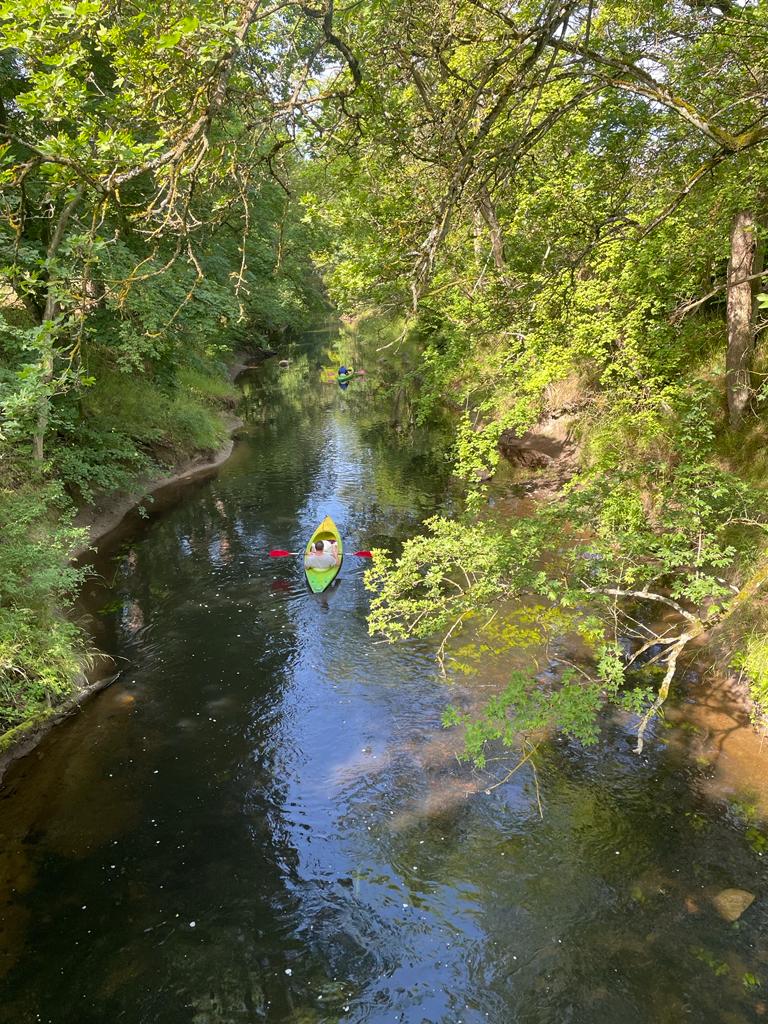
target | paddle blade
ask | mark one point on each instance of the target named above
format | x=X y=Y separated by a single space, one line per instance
x=363 y=554
x=279 y=553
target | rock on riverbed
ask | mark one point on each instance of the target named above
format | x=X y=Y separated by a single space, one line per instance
x=731 y=903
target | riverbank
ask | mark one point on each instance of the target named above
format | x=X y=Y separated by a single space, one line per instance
x=540 y=463
x=106 y=514
x=101 y=518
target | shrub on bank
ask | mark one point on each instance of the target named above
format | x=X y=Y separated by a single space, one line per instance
x=39 y=667
x=41 y=654
x=125 y=426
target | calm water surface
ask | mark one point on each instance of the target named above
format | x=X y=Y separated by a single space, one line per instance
x=262 y=820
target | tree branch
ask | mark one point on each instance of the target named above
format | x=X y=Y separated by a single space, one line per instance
x=663 y=693
x=645 y=596
x=688 y=307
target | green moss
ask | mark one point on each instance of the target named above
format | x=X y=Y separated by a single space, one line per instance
x=718 y=967
x=10 y=738
x=745 y=807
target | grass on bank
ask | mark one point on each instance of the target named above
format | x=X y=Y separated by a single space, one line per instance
x=126 y=426
x=41 y=653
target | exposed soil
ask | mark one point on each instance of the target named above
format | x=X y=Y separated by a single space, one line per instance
x=548 y=456
x=249 y=360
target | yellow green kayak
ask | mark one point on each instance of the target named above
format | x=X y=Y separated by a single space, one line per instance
x=320 y=579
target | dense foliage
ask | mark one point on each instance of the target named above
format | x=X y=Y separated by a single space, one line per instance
x=149 y=228
x=568 y=203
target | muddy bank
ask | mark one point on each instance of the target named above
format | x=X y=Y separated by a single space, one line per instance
x=545 y=458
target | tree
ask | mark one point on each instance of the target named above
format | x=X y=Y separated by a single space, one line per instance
x=741 y=340
x=608 y=149
x=126 y=124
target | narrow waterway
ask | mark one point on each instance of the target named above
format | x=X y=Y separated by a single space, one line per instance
x=262 y=820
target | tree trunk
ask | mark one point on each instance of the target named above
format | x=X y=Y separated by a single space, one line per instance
x=49 y=315
x=740 y=314
x=488 y=212
x=47 y=366
x=758 y=264
x=43 y=408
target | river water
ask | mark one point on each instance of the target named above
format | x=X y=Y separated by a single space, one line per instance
x=262 y=820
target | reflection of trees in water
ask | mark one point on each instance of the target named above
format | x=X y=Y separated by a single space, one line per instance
x=133 y=616
x=591 y=908
x=408 y=477
x=271 y=392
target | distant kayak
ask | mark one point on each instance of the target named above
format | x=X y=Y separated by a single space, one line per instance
x=344 y=379
x=320 y=579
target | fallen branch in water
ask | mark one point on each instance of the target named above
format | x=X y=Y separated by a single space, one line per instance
x=663 y=693
x=512 y=771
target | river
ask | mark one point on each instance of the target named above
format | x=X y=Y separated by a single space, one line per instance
x=262 y=819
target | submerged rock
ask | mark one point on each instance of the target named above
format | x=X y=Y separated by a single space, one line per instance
x=731 y=903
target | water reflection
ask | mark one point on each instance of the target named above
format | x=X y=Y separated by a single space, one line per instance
x=263 y=819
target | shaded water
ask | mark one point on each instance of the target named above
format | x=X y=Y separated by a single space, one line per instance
x=262 y=820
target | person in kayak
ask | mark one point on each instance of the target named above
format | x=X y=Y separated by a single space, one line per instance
x=323 y=555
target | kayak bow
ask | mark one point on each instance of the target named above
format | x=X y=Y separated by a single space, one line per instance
x=320 y=579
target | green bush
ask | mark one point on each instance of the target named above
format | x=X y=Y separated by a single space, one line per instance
x=41 y=654
x=752 y=659
x=39 y=666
